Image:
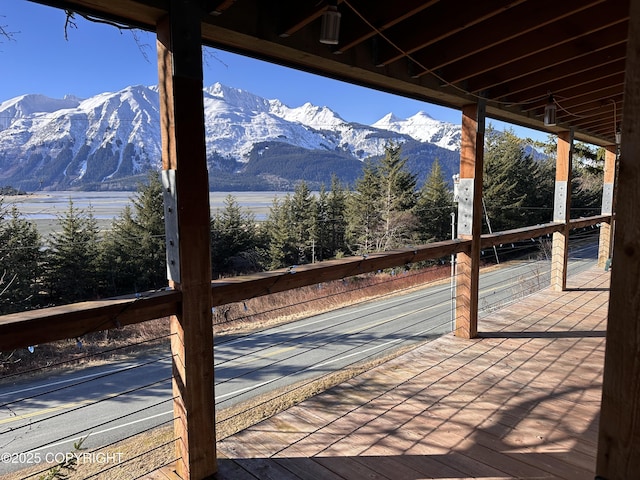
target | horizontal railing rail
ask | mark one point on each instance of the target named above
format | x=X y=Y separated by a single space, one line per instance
x=242 y=288
x=527 y=233
x=19 y=330
x=33 y=327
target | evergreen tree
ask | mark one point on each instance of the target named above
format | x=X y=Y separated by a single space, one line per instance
x=336 y=220
x=20 y=258
x=587 y=170
x=71 y=272
x=434 y=207
x=398 y=192
x=278 y=232
x=134 y=251
x=586 y=180
x=303 y=220
x=234 y=240
x=364 y=212
x=321 y=229
x=510 y=181
x=380 y=210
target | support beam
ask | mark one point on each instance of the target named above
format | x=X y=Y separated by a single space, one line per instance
x=184 y=165
x=605 y=244
x=561 y=211
x=470 y=219
x=619 y=434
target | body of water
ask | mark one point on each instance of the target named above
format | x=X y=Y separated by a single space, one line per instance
x=108 y=205
x=44 y=208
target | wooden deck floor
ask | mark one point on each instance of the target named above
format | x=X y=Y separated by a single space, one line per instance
x=521 y=402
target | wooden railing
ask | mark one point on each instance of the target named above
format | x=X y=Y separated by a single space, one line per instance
x=20 y=330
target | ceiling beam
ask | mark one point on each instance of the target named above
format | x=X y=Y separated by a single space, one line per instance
x=374 y=12
x=557 y=57
x=573 y=72
x=575 y=31
x=491 y=36
x=440 y=22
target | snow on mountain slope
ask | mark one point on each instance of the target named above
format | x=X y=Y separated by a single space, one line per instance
x=236 y=120
x=26 y=105
x=117 y=134
x=423 y=128
x=94 y=137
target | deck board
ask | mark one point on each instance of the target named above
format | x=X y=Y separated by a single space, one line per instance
x=521 y=401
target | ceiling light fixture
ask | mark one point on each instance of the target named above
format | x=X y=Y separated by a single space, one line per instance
x=330 y=30
x=550 y=113
x=618 y=135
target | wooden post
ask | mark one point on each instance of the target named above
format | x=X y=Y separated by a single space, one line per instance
x=561 y=211
x=619 y=435
x=470 y=219
x=608 y=190
x=188 y=249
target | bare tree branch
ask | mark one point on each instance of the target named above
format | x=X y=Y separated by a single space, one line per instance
x=208 y=55
x=70 y=22
x=6 y=34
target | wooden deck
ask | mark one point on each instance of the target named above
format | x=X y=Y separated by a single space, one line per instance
x=520 y=402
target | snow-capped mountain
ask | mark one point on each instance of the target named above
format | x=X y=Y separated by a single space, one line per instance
x=424 y=128
x=61 y=143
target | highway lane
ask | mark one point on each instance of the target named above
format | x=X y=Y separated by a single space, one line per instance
x=46 y=416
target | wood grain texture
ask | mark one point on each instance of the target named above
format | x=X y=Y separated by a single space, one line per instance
x=184 y=150
x=522 y=401
x=561 y=211
x=605 y=243
x=468 y=263
x=619 y=438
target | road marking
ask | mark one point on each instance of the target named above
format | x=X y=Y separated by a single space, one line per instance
x=251 y=357
x=51 y=445
x=70 y=406
x=74 y=379
x=386 y=320
x=332 y=316
x=44 y=411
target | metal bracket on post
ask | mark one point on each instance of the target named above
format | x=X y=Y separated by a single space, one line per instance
x=560 y=202
x=171 y=224
x=465 y=206
x=607 y=199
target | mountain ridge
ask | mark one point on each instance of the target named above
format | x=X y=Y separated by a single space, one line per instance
x=111 y=139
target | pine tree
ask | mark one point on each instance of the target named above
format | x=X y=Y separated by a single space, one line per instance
x=587 y=170
x=587 y=178
x=133 y=256
x=434 y=207
x=234 y=240
x=303 y=218
x=336 y=218
x=321 y=229
x=278 y=232
x=364 y=212
x=398 y=197
x=20 y=258
x=398 y=184
x=71 y=272
x=510 y=181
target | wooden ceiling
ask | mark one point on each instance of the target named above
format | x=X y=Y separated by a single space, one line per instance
x=512 y=53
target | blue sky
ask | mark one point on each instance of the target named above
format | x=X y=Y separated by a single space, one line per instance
x=99 y=58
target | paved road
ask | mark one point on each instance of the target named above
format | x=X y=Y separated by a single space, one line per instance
x=115 y=401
